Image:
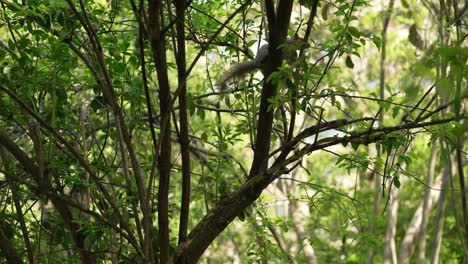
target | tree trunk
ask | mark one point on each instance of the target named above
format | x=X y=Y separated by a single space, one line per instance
x=376 y=206
x=425 y=212
x=390 y=254
x=437 y=236
x=298 y=220
x=392 y=213
x=414 y=228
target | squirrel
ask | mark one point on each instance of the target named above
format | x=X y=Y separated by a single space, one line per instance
x=241 y=69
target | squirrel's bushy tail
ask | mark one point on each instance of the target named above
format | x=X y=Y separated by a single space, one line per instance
x=236 y=72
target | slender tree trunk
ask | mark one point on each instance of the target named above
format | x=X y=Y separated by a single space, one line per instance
x=377 y=185
x=85 y=195
x=425 y=213
x=413 y=231
x=158 y=42
x=376 y=206
x=437 y=236
x=183 y=115
x=390 y=254
x=461 y=179
x=298 y=221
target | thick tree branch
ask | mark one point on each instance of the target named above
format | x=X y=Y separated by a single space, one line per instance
x=232 y=205
x=278 y=29
x=158 y=46
x=183 y=115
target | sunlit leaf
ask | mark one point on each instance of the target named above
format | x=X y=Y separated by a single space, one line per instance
x=349 y=62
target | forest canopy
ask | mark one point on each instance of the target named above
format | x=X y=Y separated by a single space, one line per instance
x=226 y=131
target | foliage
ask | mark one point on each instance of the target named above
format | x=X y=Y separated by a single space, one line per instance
x=116 y=146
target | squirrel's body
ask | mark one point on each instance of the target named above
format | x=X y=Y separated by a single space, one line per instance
x=240 y=70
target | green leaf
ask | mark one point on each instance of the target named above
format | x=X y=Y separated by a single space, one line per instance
x=98 y=102
x=396 y=181
x=204 y=137
x=355 y=145
x=118 y=179
x=117 y=67
x=354 y=31
x=201 y=113
x=451 y=52
x=363 y=41
x=444 y=88
x=377 y=41
x=412 y=91
x=227 y=101
x=404 y=3
x=306 y=3
x=337 y=104
x=395 y=111
x=384 y=105
x=349 y=62
x=11 y=44
x=356 y=54
x=388 y=88
x=241 y=216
